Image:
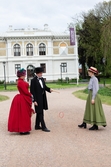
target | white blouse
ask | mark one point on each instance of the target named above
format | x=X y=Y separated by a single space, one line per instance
x=94 y=86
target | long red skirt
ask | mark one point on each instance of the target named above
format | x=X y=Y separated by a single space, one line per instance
x=20 y=114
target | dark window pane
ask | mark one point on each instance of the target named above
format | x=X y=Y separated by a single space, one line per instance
x=42 y=49
x=17 y=50
x=29 y=49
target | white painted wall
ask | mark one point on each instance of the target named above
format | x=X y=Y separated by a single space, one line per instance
x=52 y=61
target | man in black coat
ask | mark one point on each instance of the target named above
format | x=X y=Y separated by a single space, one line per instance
x=37 y=89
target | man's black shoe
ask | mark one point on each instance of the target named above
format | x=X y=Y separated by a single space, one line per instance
x=38 y=128
x=46 y=130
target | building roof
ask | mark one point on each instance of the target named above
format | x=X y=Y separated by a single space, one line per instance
x=32 y=32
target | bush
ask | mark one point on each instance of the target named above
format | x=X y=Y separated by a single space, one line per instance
x=73 y=80
x=104 y=91
x=1 y=81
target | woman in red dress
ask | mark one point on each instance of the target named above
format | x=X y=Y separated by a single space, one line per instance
x=21 y=108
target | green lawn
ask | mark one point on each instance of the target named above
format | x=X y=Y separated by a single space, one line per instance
x=2 y=98
x=51 y=85
x=104 y=93
x=58 y=85
x=106 y=80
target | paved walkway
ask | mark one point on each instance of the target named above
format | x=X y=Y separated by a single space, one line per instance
x=65 y=146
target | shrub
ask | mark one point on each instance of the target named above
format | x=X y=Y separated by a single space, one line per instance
x=1 y=81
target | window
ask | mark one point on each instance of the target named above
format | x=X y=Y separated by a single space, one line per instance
x=63 y=45
x=63 y=49
x=63 y=67
x=42 y=49
x=29 y=49
x=43 y=65
x=17 y=50
x=17 y=67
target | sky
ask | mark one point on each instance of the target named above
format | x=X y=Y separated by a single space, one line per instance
x=57 y=14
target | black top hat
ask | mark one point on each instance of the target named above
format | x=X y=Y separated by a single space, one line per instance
x=38 y=70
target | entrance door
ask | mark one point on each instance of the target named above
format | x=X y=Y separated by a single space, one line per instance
x=30 y=72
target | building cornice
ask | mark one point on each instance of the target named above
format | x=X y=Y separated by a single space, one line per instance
x=54 y=38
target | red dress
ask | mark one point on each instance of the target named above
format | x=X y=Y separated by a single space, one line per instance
x=20 y=111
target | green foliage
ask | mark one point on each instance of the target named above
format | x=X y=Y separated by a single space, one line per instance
x=1 y=82
x=67 y=80
x=89 y=40
x=73 y=80
x=104 y=91
x=9 y=87
x=105 y=99
x=95 y=38
x=57 y=85
x=60 y=85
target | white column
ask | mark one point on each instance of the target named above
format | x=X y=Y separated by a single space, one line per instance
x=22 y=49
x=50 y=47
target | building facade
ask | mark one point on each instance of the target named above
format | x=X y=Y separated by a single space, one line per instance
x=31 y=47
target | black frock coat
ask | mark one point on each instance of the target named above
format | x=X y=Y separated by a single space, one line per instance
x=39 y=94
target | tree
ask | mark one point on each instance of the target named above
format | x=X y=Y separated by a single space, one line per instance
x=103 y=10
x=81 y=51
x=89 y=40
x=94 y=43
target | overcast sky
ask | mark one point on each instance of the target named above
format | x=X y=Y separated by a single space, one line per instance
x=35 y=13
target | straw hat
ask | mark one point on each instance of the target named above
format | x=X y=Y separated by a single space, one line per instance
x=93 y=70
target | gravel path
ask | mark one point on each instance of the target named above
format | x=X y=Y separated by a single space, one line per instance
x=65 y=146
